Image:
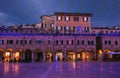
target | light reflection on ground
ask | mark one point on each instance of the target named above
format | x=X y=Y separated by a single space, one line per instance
x=60 y=70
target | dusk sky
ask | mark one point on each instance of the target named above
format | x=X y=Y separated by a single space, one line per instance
x=105 y=12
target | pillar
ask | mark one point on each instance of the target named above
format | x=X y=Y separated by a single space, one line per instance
x=54 y=56
x=44 y=57
x=64 y=56
x=75 y=56
x=32 y=56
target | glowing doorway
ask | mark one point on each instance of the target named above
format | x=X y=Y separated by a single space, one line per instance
x=71 y=56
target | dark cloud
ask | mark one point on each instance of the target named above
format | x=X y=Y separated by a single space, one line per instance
x=105 y=12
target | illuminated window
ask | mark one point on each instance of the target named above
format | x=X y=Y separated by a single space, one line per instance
x=59 y=18
x=67 y=28
x=70 y=42
x=86 y=29
x=85 y=19
x=44 y=25
x=67 y=18
x=52 y=25
x=78 y=29
x=58 y=28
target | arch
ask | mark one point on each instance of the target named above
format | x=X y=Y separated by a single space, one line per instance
x=99 y=54
x=59 y=55
x=107 y=50
x=81 y=50
x=1 y=54
x=10 y=50
x=18 y=54
x=39 y=55
x=70 y=55
x=80 y=54
x=90 y=54
x=28 y=55
x=107 y=56
x=49 y=55
x=9 y=54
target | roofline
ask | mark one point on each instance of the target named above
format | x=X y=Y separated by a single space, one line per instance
x=73 y=14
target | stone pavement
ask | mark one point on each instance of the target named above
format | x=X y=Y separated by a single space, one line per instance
x=60 y=70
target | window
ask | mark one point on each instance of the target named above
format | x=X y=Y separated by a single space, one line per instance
x=67 y=28
x=25 y=41
x=106 y=32
x=107 y=42
x=58 y=28
x=76 y=18
x=17 y=42
x=21 y=41
x=37 y=41
x=30 y=41
x=78 y=42
x=9 y=41
x=78 y=29
x=59 y=18
x=44 y=25
x=56 y=42
x=72 y=42
x=61 y=42
x=52 y=25
x=116 y=42
x=67 y=18
x=67 y=42
x=48 y=42
x=31 y=31
x=85 y=19
x=90 y=42
x=86 y=29
x=82 y=42
x=1 y=41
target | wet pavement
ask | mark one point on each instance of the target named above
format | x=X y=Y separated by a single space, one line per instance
x=60 y=70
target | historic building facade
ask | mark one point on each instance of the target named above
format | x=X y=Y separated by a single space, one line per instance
x=59 y=37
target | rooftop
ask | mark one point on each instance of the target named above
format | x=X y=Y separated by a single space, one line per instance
x=73 y=14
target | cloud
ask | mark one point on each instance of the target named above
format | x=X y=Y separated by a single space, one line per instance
x=2 y=14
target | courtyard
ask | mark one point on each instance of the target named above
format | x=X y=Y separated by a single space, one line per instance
x=60 y=70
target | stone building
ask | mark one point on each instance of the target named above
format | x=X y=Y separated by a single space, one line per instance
x=59 y=37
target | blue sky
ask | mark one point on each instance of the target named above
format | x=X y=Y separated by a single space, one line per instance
x=105 y=12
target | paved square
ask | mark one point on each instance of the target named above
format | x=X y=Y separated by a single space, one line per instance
x=60 y=70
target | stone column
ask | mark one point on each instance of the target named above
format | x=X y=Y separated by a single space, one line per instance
x=64 y=56
x=75 y=56
x=32 y=56
x=44 y=57
x=54 y=56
